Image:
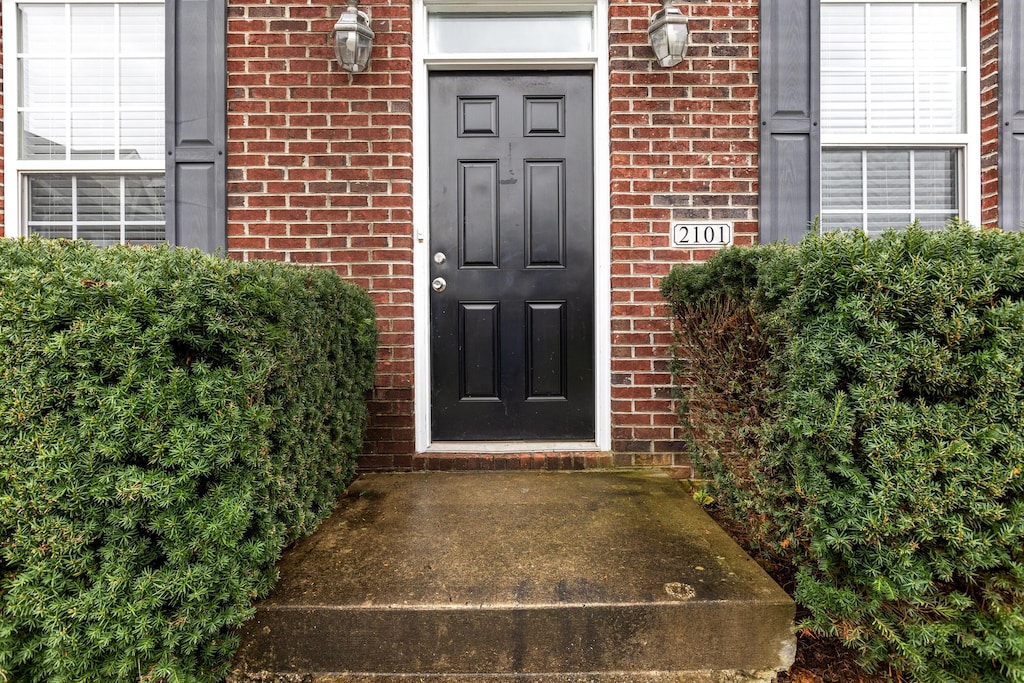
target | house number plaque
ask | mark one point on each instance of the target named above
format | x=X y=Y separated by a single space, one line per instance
x=702 y=235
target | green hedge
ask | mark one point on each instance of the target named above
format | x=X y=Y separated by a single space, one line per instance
x=169 y=421
x=876 y=437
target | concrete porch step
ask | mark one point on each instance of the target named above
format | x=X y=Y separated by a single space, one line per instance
x=604 y=577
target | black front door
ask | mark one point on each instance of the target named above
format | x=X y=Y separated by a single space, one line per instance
x=512 y=256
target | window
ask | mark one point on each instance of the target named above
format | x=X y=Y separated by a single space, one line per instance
x=89 y=89
x=899 y=113
x=451 y=33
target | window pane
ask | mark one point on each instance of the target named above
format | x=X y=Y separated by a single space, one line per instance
x=892 y=68
x=144 y=198
x=92 y=82
x=842 y=180
x=845 y=47
x=142 y=31
x=888 y=179
x=92 y=135
x=50 y=198
x=879 y=222
x=69 y=99
x=886 y=188
x=145 y=234
x=844 y=102
x=91 y=88
x=935 y=179
x=841 y=221
x=99 y=198
x=517 y=33
x=100 y=235
x=42 y=30
x=97 y=207
x=53 y=232
x=92 y=30
x=892 y=103
x=142 y=136
x=44 y=83
x=940 y=106
x=43 y=136
x=890 y=36
x=142 y=82
x=936 y=221
x=939 y=36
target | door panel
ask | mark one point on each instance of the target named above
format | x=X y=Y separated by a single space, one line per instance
x=512 y=341
x=545 y=214
x=480 y=352
x=478 y=214
x=546 y=362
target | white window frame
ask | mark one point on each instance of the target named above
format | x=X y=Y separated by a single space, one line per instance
x=967 y=143
x=17 y=169
x=597 y=61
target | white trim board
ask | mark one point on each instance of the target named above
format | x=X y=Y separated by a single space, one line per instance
x=496 y=447
x=422 y=64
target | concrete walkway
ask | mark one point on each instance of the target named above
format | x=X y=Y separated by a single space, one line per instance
x=540 y=576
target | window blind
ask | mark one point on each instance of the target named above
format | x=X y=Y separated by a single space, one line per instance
x=104 y=208
x=893 y=82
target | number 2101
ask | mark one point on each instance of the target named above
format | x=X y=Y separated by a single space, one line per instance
x=702 y=234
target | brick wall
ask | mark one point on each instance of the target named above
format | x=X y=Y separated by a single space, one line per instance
x=989 y=112
x=683 y=148
x=320 y=172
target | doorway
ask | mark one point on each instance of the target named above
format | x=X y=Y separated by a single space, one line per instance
x=511 y=243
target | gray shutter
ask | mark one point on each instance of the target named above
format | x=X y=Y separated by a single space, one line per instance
x=1011 y=114
x=196 y=104
x=790 y=150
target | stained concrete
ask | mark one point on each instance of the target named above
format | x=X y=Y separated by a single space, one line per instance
x=611 y=577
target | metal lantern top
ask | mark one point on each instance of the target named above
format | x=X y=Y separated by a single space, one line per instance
x=353 y=38
x=669 y=32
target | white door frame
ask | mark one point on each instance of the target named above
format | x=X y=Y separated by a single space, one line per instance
x=596 y=61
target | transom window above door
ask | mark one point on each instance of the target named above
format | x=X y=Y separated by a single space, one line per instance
x=515 y=30
x=899 y=112
x=454 y=33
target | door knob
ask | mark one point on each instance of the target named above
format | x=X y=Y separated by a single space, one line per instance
x=438 y=284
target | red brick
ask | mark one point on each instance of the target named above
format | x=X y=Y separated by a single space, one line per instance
x=684 y=143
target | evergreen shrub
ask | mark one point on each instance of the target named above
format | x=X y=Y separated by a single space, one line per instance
x=169 y=421
x=724 y=380
x=885 y=450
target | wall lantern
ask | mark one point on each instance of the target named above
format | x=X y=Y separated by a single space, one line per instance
x=669 y=33
x=353 y=38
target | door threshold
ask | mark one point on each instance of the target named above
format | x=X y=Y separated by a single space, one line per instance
x=486 y=447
